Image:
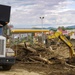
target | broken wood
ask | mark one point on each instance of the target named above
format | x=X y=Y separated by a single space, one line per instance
x=30 y=49
x=42 y=59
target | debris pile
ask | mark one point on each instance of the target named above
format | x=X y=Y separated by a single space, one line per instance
x=41 y=54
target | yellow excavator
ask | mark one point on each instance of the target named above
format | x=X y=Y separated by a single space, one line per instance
x=59 y=35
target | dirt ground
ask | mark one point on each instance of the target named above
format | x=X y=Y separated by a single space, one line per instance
x=39 y=69
x=18 y=69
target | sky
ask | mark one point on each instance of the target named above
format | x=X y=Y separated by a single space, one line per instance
x=27 y=13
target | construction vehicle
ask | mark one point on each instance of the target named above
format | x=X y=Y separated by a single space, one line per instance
x=59 y=35
x=7 y=55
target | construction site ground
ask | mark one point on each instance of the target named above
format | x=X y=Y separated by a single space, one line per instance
x=39 y=69
x=31 y=63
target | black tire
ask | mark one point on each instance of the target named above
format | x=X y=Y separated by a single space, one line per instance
x=6 y=67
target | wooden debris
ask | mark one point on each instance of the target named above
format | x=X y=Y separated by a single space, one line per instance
x=31 y=49
x=42 y=59
x=38 y=54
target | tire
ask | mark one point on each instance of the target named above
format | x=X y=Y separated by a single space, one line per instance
x=6 y=67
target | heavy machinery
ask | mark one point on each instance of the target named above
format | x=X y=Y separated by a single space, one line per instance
x=7 y=55
x=59 y=35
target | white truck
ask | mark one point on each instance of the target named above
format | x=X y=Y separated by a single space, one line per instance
x=7 y=55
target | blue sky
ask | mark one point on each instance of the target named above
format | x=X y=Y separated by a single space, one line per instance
x=26 y=13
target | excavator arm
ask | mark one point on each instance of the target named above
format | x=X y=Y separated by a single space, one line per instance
x=65 y=40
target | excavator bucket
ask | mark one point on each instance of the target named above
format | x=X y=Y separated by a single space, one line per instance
x=4 y=14
x=71 y=60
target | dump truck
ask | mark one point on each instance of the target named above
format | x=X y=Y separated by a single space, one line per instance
x=7 y=55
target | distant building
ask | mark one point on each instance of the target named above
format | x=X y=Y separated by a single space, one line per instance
x=65 y=32
x=72 y=33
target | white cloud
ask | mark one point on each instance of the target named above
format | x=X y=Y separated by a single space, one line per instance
x=26 y=13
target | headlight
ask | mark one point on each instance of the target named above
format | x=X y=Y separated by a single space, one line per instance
x=10 y=54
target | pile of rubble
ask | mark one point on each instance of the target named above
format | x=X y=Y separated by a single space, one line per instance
x=41 y=54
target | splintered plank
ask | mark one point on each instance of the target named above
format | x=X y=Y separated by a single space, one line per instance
x=31 y=49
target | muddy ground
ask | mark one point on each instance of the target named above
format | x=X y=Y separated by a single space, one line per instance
x=38 y=69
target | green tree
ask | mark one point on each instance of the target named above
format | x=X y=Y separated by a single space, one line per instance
x=63 y=28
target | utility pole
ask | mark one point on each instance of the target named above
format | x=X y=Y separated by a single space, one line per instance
x=42 y=28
